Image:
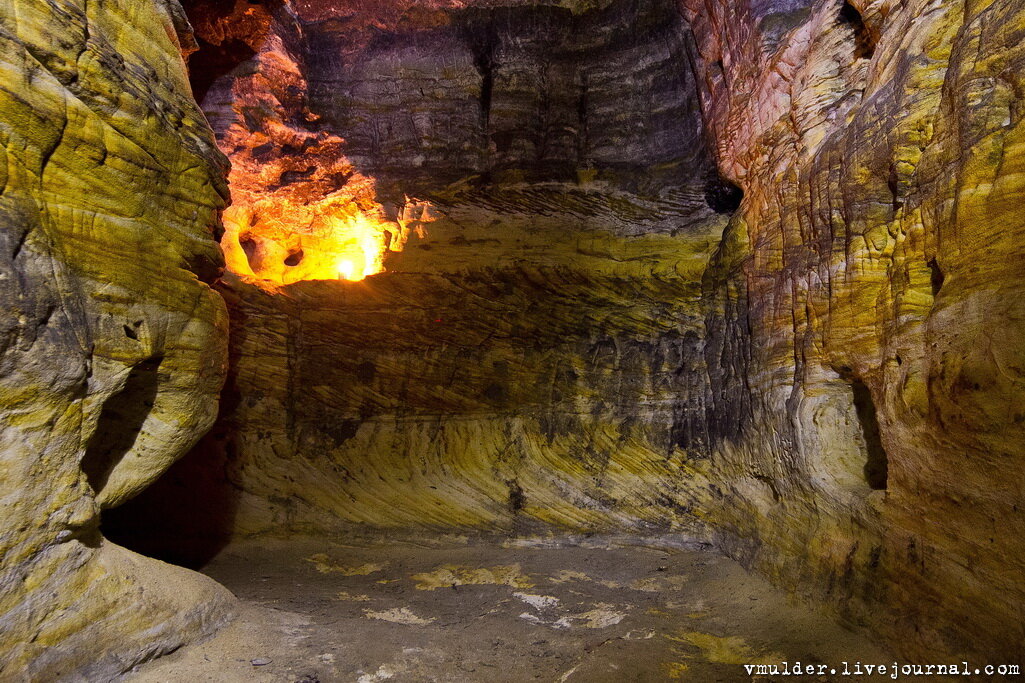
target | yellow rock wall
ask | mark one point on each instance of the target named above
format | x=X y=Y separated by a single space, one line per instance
x=530 y=356
x=873 y=268
x=835 y=390
x=112 y=345
x=508 y=374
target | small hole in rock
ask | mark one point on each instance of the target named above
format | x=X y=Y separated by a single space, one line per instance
x=294 y=258
x=365 y=372
x=250 y=247
x=721 y=195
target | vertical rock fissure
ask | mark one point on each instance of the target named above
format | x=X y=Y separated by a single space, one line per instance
x=876 y=468
x=482 y=38
x=936 y=276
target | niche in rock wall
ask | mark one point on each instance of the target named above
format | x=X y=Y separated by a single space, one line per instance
x=722 y=195
x=864 y=41
x=876 y=464
x=936 y=277
x=186 y=516
x=120 y=422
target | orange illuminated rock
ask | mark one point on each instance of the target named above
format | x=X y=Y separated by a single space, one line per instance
x=300 y=209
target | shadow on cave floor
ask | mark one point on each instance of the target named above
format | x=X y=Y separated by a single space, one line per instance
x=456 y=609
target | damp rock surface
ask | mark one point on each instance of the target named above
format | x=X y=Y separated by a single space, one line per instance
x=459 y=609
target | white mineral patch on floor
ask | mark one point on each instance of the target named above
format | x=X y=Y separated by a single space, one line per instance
x=602 y=616
x=538 y=602
x=453 y=575
x=325 y=565
x=350 y=597
x=398 y=615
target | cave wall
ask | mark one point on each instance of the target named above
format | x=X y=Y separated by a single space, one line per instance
x=112 y=344
x=532 y=354
x=864 y=311
x=829 y=389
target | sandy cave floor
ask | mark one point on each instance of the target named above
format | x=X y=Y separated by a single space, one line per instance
x=455 y=609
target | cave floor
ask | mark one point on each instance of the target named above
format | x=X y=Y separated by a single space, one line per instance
x=455 y=609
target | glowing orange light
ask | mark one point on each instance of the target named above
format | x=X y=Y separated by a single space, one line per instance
x=273 y=240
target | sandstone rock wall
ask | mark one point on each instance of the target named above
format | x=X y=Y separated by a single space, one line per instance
x=833 y=386
x=532 y=355
x=865 y=315
x=112 y=345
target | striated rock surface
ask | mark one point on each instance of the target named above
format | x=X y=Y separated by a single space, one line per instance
x=531 y=354
x=865 y=310
x=501 y=392
x=112 y=349
x=562 y=334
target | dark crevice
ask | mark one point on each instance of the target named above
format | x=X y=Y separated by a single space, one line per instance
x=517 y=498
x=936 y=276
x=864 y=42
x=120 y=423
x=876 y=461
x=482 y=38
x=210 y=62
x=207 y=267
x=722 y=195
x=893 y=184
x=366 y=371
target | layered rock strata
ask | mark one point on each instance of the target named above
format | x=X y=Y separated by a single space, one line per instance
x=112 y=344
x=830 y=391
x=531 y=355
x=864 y=311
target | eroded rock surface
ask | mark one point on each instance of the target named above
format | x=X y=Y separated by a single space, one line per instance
x=865 y=311
x=830 y=390
x=112 y=352
x=530 y=355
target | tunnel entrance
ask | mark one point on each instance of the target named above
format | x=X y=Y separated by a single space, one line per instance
x=187 y=516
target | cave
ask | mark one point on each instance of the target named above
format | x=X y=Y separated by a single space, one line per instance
x=480 y=340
